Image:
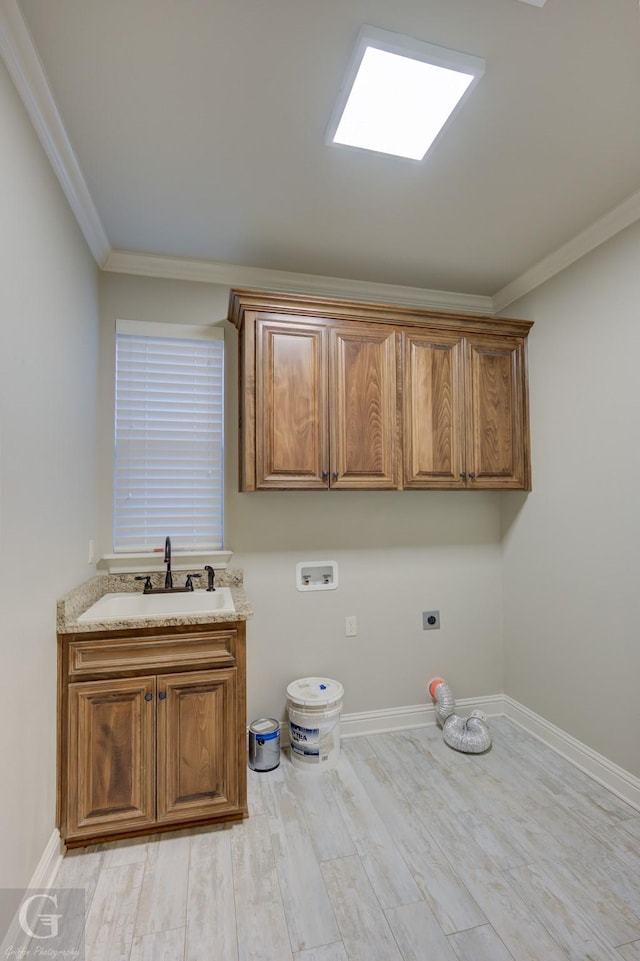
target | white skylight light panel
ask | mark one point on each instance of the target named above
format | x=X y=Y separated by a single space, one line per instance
x=400 y=93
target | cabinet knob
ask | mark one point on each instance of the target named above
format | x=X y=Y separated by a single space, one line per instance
x=325 y=474
x=162 y=695
x=148 y=697
x=335 y=475
x=463 y=474
x=472 y=475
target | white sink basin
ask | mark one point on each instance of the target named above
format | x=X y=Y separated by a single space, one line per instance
x=134 y=606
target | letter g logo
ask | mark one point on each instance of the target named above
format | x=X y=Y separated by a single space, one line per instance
x=48 y=921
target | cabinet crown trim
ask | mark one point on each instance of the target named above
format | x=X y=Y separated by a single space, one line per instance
x=242 y=301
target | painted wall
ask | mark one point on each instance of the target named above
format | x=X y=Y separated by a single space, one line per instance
x=571 y=549
x=48 y=367
x=398 y=554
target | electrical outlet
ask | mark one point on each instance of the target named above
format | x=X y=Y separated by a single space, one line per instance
x=350 y=626
x=92 y=552
x=431 y=620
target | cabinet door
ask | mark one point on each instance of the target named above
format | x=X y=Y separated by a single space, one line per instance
x=111 y=756
x=496 y=404
x=363 y=408
x=198 y=744
x=433 y=433
x=292 y=449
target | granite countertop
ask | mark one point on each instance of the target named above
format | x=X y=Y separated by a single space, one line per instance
x=76 y=602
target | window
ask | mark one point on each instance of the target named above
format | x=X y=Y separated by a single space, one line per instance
x=169 y=464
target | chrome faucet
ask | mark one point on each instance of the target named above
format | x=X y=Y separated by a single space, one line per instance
x=168 y=578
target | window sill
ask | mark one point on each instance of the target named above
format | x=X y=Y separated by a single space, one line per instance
x=147 y=563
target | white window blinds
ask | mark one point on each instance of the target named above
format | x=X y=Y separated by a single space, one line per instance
x=168 y=477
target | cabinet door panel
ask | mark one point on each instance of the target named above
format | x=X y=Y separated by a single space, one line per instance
x=433 y=435
x=197 y=744
x=111 y=756
x=364 y=428
x=497 y=436
x=292 y=448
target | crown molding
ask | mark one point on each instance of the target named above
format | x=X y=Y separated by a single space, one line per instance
x=23 y=63
x=26 y=71
x=233 y=275
x=621 y=217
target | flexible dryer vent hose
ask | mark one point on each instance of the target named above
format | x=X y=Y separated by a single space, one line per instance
x=470 y=735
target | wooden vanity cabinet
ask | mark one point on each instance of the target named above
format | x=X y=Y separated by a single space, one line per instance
x=151 y=730
x=336 y=394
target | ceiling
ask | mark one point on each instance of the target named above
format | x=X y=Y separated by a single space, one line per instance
x=199 y=129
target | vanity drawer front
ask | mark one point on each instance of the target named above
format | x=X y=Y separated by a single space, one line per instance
x=114 y=655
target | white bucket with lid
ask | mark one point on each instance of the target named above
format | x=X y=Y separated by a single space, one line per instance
x=314 y=705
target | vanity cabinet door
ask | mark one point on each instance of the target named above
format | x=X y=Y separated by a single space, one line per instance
x=198 y=744
x=497 y=416
x=433 y=410
x=363 y=405
x=291 y=418
x=111 y=753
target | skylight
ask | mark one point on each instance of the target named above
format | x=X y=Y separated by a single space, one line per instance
x=399 y=93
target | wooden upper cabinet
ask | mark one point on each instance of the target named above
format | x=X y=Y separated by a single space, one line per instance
x=465 y=404
x=433 y=421
x=291 y=414
x=337 y=394
x=325 y=407
x=497 y=430
x=363 y=408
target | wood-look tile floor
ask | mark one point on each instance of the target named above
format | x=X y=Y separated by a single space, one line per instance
x=408 y=851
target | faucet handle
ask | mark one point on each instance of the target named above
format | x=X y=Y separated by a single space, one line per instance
x=189 y=582
x=147 y=582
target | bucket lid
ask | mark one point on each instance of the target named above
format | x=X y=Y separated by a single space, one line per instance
x=264 y=725
x=315 y=691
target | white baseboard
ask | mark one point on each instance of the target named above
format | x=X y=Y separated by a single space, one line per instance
x=601 y=769
x=414 y=715
x=46 y=872
x=620 y=782
x=404 y=718
x=16 y=941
